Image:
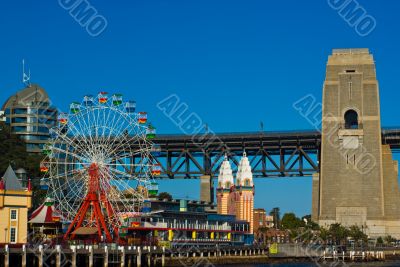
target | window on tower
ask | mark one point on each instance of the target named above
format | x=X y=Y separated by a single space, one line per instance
x=351 y=119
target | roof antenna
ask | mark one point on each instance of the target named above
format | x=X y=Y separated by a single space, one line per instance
x=26 y=78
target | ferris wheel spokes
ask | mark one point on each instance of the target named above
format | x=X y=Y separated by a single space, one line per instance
x=99 y=162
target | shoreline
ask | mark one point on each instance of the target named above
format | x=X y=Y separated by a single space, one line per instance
x=264 y=259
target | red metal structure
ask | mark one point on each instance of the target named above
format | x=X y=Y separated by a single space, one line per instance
x=92 y=203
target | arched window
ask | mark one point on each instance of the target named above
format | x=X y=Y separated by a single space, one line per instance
x=351 y=119
x=246 y=182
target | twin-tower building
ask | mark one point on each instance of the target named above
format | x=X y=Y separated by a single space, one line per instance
x=358 y=179
x=236 y=198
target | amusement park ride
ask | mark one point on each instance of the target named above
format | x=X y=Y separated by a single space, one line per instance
x=95 y=176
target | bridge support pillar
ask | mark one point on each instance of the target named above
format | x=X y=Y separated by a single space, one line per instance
x=351 y=147
x=206 y=188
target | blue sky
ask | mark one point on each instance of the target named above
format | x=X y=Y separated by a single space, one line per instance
x=235 y=63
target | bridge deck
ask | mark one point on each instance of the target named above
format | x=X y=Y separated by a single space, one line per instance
x=271 y=154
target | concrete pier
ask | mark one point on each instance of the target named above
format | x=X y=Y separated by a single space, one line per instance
x=91 y=256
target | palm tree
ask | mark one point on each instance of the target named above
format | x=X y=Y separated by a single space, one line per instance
x=357 y=234
x=324 y=235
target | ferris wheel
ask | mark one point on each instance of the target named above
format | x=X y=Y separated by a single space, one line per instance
x=98 y=163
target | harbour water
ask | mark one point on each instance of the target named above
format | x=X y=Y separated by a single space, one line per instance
x=328 y=264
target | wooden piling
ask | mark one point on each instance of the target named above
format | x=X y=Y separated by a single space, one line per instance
x=58 y=256
x=41 y=256
x=105 y=260
x=163 y=257
x=73 y=257
x=139 y=258
x=7 y=256
x=122 y=263
x=23 y=257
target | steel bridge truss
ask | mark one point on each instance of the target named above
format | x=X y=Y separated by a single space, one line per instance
x=269 y=155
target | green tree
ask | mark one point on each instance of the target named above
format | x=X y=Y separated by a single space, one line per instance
x=13 y=152
x=295 y=234
x=339 y=233
x=165 y=195
x=379 y=240
x=357 y=234
x=389 y=239
x=324 y=234
x=291 y=222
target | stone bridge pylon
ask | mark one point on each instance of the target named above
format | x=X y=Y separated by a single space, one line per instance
x=357 y=183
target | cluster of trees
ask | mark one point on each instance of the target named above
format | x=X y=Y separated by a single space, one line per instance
x=304 y=229
x=13 y=152
x=338 y=234
x=386 y=240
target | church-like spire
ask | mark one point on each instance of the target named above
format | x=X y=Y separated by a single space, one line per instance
x=244 y=176
x=225 y=177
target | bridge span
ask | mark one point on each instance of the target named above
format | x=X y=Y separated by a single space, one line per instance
x=271 y=154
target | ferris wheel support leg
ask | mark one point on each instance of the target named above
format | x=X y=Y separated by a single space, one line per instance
x=110 y=213
x=80 y=216
x=102 y=221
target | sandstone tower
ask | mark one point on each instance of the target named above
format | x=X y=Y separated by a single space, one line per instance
x=357 y=184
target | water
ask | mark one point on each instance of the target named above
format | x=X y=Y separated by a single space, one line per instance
x=311 y=264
